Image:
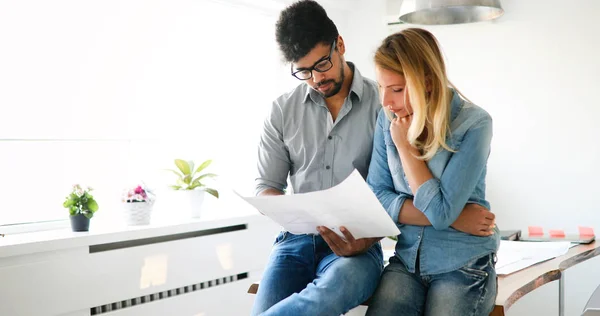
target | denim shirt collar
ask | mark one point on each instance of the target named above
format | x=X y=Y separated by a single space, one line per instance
x=455 y=105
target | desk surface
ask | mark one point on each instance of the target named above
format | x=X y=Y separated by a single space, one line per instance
x=516 y=285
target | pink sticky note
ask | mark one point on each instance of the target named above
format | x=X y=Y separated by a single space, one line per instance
x=535 y=231
x=586 y=231
x=557 y=233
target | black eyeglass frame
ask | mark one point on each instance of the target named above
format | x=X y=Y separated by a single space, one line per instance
x=313 y=68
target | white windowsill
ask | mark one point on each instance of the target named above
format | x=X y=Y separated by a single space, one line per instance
x=17 y=244
x=33 y=227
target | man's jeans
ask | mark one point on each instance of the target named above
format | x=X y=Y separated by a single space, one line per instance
x=304 y=277
x=468 y=291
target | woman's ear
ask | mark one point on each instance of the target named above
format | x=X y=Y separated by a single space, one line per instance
x=428 y=84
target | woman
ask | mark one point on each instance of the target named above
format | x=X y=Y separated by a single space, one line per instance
x=429 y=161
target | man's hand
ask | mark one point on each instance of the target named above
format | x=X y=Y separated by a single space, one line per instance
x=475 y=220
x=348 y=247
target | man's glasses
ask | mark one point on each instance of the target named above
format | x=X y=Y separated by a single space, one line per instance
x=321 y=65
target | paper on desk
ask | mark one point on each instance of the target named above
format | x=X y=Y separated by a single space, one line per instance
x=351 y=204
x=517 y=255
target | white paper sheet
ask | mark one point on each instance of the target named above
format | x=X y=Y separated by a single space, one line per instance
x=517 y=255
x=351 y=204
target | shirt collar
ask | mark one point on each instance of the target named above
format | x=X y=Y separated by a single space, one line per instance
x=357 y=87
x=456 y=105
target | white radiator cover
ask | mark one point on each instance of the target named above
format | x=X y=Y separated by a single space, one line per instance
x=94 y=274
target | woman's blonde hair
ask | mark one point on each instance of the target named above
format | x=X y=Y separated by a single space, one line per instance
x=415 y=54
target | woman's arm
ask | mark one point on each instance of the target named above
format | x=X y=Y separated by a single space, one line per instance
x=380 y=178
x=474 y=219
x=442 y=200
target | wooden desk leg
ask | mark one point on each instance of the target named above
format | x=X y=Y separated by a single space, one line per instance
x=561 y=295
x=498 y=311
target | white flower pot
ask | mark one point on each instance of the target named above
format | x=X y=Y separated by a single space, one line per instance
x=194 y=198
x=138 y=213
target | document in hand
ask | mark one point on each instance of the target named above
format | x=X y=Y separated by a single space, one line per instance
x=351 y=204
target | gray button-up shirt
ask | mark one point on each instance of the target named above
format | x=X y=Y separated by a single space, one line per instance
x=301 y=140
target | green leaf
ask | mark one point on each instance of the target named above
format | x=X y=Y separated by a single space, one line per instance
x=68 y=203
x=181 y=183
x=92 y=205
x=206 y=175
x=179 y=175
x=187 y=179
x=175 y=187
x=89 y=215
x=212 y=192
x=194 y=185
x=191 y=164
x=183 y=166
x=203 y=166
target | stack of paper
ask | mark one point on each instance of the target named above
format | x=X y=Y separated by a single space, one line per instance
x=517 y=255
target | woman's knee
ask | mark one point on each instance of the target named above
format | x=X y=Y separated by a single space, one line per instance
x=399 y=293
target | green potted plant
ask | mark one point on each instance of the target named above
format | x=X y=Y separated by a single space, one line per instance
x=190 y=183
x=81 y=206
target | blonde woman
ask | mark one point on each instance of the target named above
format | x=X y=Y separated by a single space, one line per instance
x=429 y=161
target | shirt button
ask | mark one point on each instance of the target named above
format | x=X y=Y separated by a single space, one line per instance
x=327 y=167
x=329 y=137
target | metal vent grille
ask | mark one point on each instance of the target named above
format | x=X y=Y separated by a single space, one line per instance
x=165 y=294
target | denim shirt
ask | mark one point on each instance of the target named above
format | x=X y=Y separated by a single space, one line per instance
x=458 y=179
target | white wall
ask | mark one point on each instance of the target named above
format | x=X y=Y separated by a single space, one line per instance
x=535 y=70
x=108 y=93
x=365 y=30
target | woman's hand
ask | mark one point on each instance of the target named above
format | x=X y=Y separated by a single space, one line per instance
x=399 y=132
x=416 y=170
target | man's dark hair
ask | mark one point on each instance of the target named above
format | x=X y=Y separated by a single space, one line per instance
x=302 y=26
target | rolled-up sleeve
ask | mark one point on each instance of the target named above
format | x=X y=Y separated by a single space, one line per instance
x=273 y=157
x=442 y=200
x=380 y=179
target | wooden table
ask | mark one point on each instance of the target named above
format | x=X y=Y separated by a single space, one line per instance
x=516 y=285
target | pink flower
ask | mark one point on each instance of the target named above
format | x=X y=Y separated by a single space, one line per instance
x=139 y=190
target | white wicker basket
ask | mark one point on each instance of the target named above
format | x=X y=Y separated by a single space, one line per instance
x=138 y=213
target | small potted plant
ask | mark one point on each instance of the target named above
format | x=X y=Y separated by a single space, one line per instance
x=190 y=182
x=138 y=203
x=81 y=206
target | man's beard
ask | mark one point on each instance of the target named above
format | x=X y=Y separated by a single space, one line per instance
x=337 y=86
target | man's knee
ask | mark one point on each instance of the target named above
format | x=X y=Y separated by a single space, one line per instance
x=354 y=278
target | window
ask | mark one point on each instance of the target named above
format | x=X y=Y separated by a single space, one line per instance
x=105 y=93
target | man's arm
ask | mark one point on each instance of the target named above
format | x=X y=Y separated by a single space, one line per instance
x=273 y=158
x=270 y=192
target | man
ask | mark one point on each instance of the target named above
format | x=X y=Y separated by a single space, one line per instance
x=318 y=134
